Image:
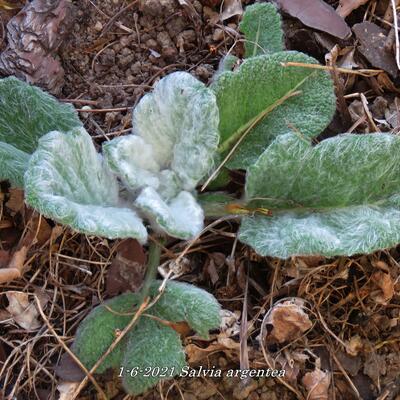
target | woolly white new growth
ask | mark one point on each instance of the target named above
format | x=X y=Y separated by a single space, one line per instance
x=181 y=217
x=175 y=137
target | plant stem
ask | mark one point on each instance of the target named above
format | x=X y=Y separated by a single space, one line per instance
x=152 y=263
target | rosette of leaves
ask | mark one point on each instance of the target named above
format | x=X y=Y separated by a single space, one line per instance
x=172 y=147
x=152 y=342
x=340 y=197
x=26 y=114
x=265 y=97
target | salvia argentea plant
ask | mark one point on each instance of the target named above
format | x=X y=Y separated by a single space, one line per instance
x=340 y=197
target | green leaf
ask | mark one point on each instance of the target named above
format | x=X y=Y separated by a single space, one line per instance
x=99 y=329
x=68 y=181
x=152 y=349
x=264 y=91
x=261 y=25
x=181 y=217
x=340 y=197
x=13 y=164
x=184 y=302
x=150 y=344
x=26 y=114
x=175 y=128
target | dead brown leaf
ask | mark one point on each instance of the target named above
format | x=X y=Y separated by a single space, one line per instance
x=346 y=7
x=318 y=15
x=196 y=353
x=375 y=366
x=385 y=283
x=23 y=312
x=15 y=268
x=127 y=269
x=354 y=345
x=67 y=390
x=38 y=230
x=231 y=8
x=349 y=363
x=10 y=4
x=292 y=363
x=287 y=320
x=68 y=370
x=15 y=202
x=386 y=83
x=317 y=384
x=4 y=258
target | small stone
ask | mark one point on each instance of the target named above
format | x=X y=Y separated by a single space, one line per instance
x=164 y=39
x=125 y=41
x=152 y=44
x=207 y=391
x=189 y=396
x=189 y=35
x=111 y=117
x=242 y=392
x=169 y=52
x=176 y=25
x=222 y=362
x=202 y=72
x=152 y=7
x=218 y=35
x=98 y=26
x=268 y=396
x=84 y=114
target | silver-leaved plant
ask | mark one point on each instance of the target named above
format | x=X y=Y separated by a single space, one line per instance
x=339 y=197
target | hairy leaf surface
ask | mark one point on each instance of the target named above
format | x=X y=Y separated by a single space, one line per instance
x=152 y=346
x=261 y=25
x=98 y=330
x=184 y=302
x=26 y=114
x=68 y=181
x=13 y=164
x=182 y=217
x=263 y=90
x=175 y=128
x=340 y=197
x=150 y=343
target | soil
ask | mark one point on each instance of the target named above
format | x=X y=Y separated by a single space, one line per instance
x=114 y=65
x=353 y=303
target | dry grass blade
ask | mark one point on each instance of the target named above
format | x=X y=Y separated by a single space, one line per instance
x=396 y=32
x=65 y=347
x=363 y=72
x=131 y=324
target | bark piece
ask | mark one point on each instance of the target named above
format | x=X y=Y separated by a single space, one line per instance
x=372 y=46
x=318 y=15
x=34 y=36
